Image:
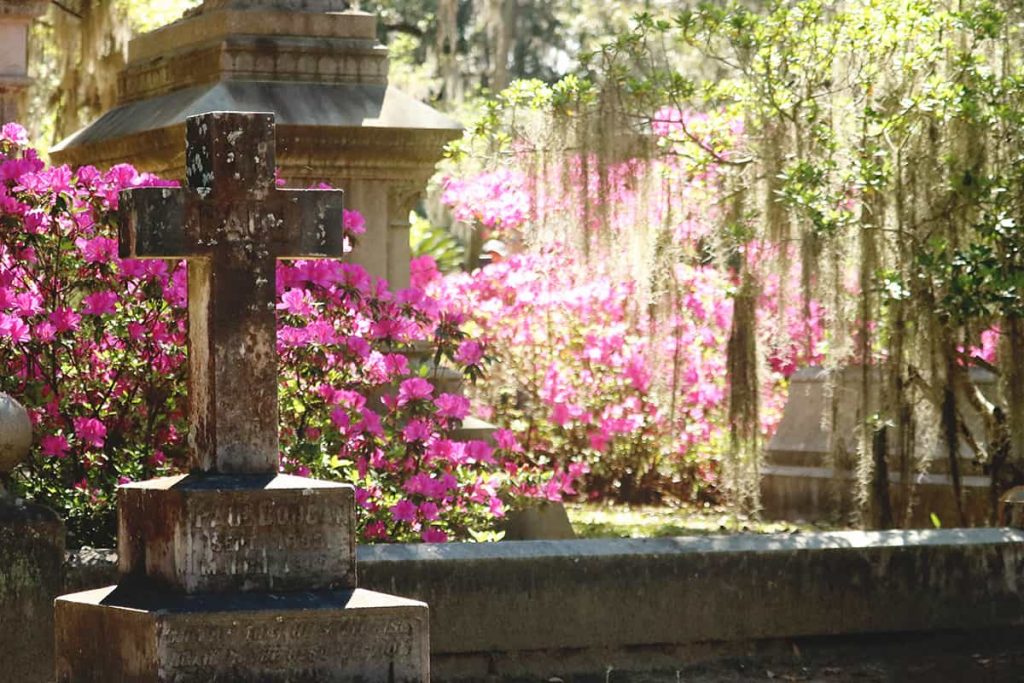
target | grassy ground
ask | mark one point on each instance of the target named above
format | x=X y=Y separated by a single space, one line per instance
x=591 y=520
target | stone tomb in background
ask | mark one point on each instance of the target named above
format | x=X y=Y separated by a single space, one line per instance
x=798 y=484
x=235 y=572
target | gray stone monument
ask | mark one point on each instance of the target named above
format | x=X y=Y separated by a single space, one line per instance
x=15 y=18
x=323 y=73
x=31 y=561
x=235 y=572
x=799 y=483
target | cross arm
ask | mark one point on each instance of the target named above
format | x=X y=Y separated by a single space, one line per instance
x=152 y=223
x=309 y=224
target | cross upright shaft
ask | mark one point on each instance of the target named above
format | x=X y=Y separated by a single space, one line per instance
x=231 y=224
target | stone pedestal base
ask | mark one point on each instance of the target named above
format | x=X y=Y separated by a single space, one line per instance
x=118 y=634
x=211 y=533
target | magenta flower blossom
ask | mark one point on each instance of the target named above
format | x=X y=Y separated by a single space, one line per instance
x=404 y=511
x=14 y=328
x=429 y=510
x=90 y=431
x=99 y=303
x=54 y=445
x=469 y=352
x=506 y=440
x=452 y=406
x=354 y=222
x=296 y=302
x=14 y=133
x=416 y=431
x=414 y=389
x=423 y=271
x=65 y=320
x=98 y=249
x=434 y=535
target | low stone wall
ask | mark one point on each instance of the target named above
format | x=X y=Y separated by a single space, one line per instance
x=544 y=609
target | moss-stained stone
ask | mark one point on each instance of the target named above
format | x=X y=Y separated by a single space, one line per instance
x=31 y=575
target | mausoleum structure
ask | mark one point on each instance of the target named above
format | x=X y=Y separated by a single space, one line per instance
x=235 y=572
x=323 y=74
x=15 y=18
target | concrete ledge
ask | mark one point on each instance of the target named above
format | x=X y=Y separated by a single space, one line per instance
x=523 y=610
x=556 y=607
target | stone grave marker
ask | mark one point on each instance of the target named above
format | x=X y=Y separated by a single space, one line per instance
x=31 y=561
x=235 y=572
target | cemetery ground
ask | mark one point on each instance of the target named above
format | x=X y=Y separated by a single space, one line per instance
x=593 y=520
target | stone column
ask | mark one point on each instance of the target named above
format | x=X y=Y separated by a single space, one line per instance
x=402 y=198
x=370 y=198
x=15 y=18
x=31 y=562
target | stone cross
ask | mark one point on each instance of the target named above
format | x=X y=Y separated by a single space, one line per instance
x=231 y=223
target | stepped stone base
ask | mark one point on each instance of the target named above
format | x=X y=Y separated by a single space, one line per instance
x=238 y=532
x=124 y=635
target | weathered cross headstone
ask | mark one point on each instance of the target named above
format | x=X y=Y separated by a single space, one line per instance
x=235 y=572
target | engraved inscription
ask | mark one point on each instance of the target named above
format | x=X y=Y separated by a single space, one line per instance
x=269 y=540
x=292 y=644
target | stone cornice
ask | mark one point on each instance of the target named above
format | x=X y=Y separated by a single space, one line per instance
x=305 y=153
x=328 y=61
x=213 y=26
x=22 y=8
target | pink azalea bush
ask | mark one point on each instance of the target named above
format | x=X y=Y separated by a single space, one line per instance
x=578 y=382
x=95 y=348
x=611 y=318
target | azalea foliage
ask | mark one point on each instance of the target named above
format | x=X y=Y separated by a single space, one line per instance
x=95 y=347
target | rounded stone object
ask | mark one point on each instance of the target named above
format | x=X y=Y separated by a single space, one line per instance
x=15 y=433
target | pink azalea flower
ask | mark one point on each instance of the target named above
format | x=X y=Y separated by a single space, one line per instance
x=396 y=364
x=423 y=271
x=14 y=133
x=507 y=441
x=354 y=222
x=404 y=511
x=429 y=510
x=97 y=249
x=28 y=303
x=376 y=530
x=90 y=431
x=416 y=431
x=45 y=332
x=469 y=352
x=452 y=406
x=296 y=302
x=54 y=445
x=480 y=451
x=434 y=535
x=371 y=423
x=65 y=319
x=99 y=303
x=414 y=389
x=14 y=328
